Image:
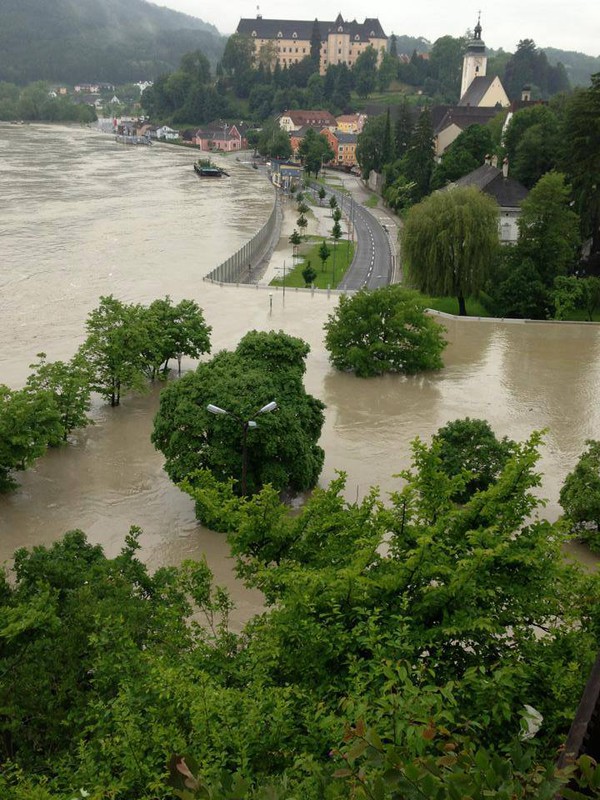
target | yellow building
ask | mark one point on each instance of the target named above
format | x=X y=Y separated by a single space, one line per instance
x=287 y=42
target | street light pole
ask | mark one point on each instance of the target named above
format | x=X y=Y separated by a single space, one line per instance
x=246 y=425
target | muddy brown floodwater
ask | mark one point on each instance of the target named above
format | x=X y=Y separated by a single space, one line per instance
x=81 y=217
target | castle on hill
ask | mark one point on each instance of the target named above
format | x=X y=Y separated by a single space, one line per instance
x=287 y=42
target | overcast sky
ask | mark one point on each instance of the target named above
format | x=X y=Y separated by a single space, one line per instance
x=566 y=24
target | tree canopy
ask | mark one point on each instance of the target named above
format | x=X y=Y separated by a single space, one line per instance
x=386 y=330
x=282 y=450
x=405 y=646
x=449 y=241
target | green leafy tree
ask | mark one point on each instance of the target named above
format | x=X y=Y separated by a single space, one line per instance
x=282 y=450
x=466 y=153
x=387 y=72
x=29 y=422
x=532 y=142
x=581 y=158
x=70 y=387
x=321 y=194
x=173 y=331
x=309 y=274
x=418 y=161
x=324 y=253
x=449 y=242
x=549 y=228
x=114 y=348
x=238 y=63
x=403 y=129
x=364 y=72
x=516 y=289
x=370 y=145
x=333 y=203
x=469 y=448
x=315 y=45
x=274 y=142
x=314 y=151
x=580 y=495
x=336 y=235
x=444 y=67
x=386 y=330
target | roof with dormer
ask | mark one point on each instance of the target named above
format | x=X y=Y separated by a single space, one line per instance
x=260 y=28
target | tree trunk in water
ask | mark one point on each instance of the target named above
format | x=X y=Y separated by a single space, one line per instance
x=462 y=307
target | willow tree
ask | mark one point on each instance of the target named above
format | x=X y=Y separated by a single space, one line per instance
x=449 y=242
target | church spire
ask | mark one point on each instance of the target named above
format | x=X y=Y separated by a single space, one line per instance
x=478 y=27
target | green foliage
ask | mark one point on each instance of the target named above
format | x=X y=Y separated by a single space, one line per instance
x=370 y=145
x=69 y=385
x=529 y=66
x=314 y=151
x=173 y=331
x=324 y=253
x=581 y=157
x=532 y=141
x=364 y=72
x=282 y=450
x=580 y=495
x=109 y=41
x=386 y=330
x=30 y=421
x=548 y=228
x=449 y=242
x=274 y=142
x=400 y=649
x=309 y=274
x=113 y=348
x=466 y=153
x=470 y=449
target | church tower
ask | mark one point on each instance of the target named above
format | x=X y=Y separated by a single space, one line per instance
x=475 y=60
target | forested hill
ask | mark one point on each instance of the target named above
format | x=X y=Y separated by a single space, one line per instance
x=579 y=66
x=115 y=41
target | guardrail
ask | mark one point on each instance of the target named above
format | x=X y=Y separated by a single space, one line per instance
x=232 y=268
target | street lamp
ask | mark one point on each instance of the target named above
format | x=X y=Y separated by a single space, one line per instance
x=246 y=425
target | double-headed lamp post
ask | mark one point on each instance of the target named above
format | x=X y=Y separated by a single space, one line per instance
x=246 y=425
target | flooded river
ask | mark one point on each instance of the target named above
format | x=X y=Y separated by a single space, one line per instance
x=81 y=216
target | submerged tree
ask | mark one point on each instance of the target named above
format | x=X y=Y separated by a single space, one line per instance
x=281 y=449
x=386 y=330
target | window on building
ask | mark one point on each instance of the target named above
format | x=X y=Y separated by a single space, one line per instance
x=294 y=35
x=280 y=35
x=254 y=33
x=339 y=51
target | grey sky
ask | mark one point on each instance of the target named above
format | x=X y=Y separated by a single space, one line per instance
x=572 y=25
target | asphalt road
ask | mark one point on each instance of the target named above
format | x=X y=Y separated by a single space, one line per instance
x=372 y=265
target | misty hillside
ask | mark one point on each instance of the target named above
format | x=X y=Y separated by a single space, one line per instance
x=579 y=66
x=114 y=41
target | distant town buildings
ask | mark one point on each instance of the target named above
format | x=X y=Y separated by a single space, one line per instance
x=287 y=42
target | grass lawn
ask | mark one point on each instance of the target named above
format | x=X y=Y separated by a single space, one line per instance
x=309 y=251
x=372 y=201
x=449 y=305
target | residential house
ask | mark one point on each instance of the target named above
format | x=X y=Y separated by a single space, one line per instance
x=287 y=42
x=343 y=145
x=221 y=136
x=295 y=120
x=166 y=133
x=351 y=123
x=507 y=192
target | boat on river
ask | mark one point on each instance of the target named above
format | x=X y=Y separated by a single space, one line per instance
x=205 y=168
x=124 y=138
